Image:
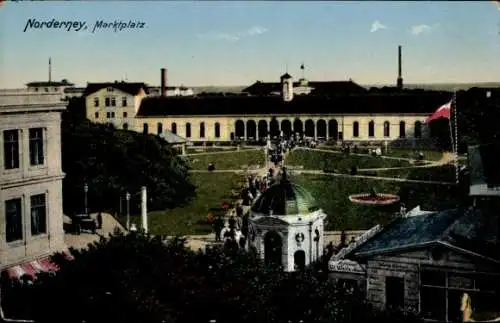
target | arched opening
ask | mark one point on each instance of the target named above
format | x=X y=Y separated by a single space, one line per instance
x=418 y=129
x=321 y=124
x=174 y=128
x=309 y=128
x=274 y=128
x=402 y=129
x=125 y=126
x=262 y=128
x=387 y=129
x=202 y=129
x=371 y=129
x=159 y=129
x=188 y=130
x=273 y=248
x=299 y=260
x=217 y=130
x=251 y=130
x=145 y=128
x=298 y=126
x=239 y=129
x=355 y=129
x=286 y=127
x=333 y=129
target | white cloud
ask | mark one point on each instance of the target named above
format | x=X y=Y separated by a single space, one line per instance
x=420 y=29
x=252 y=31
x=377 y=25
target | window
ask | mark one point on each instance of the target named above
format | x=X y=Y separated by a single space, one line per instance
x=202 y=130
x=160 y=128
x=96 y=115
x=112 y=114
x=125 y=114
x=36 y=89
x=387 y=129
x=402 y=129
x=96 y=102
x=145 y=129
x=188 y=130
x=394 y=292
x=174 y=128
x=418 y=129
x=14 y=220
x=110 y=89
x=113 y=102
x=125 y=126
x=355 y=129
x=108 y=115
x=124 y=102
x=217 y=130
x=56 y=89
x=371 y=129
x=36 y=146
x=38 y=214
x=46 y=89
x=107 y=102
x=11 y=149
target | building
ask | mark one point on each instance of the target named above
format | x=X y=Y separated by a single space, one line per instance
x=31 y=215
x=171 y=91
x=286 y=226
x=50 y=86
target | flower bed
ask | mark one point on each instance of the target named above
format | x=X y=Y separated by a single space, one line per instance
x=374 y=199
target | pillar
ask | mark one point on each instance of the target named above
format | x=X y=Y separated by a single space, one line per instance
x=183 y=149
x=144 y=209
x=327 y=137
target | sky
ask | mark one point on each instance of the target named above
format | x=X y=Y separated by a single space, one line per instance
x=205 y=43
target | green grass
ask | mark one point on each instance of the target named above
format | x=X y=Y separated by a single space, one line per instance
x=332 y=194
x=201 y=149
x=233 y=160
x=412 y=153
x=190 y=219
x=444 y=173
x=339 y=162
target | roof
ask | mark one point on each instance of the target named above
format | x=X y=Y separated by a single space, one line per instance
x=285 y=198
x=172 y=138
x=326 y=87
x=51 y=83
x=286 y=76
x=130 y=88
x=74 y=90
x=321 y=104
x=483 y=164
x=469 y=229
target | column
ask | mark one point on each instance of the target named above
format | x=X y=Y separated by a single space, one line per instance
x=144 y=209
x=327 y=137
x=245 y=130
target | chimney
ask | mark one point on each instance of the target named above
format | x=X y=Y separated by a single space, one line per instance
x=163 y=89
x=400 y=69
x=50 y=70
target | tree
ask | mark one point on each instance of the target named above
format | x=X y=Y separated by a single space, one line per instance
x=113 y=161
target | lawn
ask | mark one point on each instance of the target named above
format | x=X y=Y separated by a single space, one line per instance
x=332 y=194
x=444 y=173
x=339 y=162
x=407 y=153
x=230 y=160
x=212 y=189
x=201 y=149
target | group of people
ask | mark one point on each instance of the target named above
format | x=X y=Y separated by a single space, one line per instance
x=235 y=230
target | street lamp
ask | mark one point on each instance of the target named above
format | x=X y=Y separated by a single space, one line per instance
x=127 y=197
x=86 y=190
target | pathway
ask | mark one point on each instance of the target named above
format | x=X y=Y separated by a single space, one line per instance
x=222 y=152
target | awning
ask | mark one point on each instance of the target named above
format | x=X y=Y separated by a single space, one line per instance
x=34 y=267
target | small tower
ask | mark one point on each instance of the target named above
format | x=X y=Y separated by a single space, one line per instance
x=286 y=87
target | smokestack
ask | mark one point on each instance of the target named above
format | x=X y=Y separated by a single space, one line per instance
x=163 y=89
x=50 y=70
x=400 y=69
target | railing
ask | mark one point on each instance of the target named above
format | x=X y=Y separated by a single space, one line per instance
x=27 y=98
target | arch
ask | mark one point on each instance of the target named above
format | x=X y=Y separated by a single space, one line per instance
x=202 y=129
x=251 y=130
x=371 y=129
x=321 y=125
x=274 y=128
x=299 y=260
x=159 y=128
x=402 y=129
x=355 y=129
x=174 y=128
x=217 y=130
x=273 y=248
x=286 y=127
x=188 y=130
x=239 y=129
x=309 y=128
x=145 y=128
x=333 y=129
x=418 y=129
x=125 y=126
x=387 y=129
x=298 y=127
x=262 y=129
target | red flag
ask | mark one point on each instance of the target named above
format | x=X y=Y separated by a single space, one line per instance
x=442 y=112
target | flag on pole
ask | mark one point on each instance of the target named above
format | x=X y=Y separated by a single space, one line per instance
x=443 y=111
x=302 y=67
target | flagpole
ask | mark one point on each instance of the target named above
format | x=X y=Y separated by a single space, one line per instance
x=455 y=113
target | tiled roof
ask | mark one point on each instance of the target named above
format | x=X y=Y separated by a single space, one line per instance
x=130 y=88
x=74 y=90
x=274 y=105
x=328 y=87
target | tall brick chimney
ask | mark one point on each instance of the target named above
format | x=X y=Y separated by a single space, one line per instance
x=400 y=69
x=163 y=86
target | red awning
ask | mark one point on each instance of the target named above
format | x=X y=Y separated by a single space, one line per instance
x=34 y=267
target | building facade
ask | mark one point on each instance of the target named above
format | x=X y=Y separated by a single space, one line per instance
x=31 y=215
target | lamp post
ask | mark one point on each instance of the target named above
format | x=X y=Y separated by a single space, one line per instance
x=86 y=190
x=127 y=197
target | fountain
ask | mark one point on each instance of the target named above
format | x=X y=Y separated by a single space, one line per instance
x=373 y=198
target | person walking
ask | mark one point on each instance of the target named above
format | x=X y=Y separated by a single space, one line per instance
x=218 y=224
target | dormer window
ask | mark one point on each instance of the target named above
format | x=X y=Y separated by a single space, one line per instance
x=110 y=89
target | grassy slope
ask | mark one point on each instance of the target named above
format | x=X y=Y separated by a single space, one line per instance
x=444 y=173
x=232 y=160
